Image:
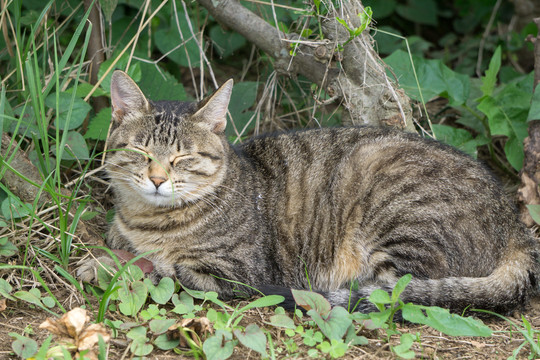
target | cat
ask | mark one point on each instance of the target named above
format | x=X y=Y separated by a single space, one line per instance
x=316 y=209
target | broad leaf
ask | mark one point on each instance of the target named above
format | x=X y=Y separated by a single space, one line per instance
x=490 y=79
x=243 y=97
x=99 y=125
x=226 y=42
x=75 y=147
x=163 y=291
x=133 y=299
x=459 y=138
x=534 y=211
x=253 y=338
x=419 y=11
x=160 y=85
x=311 y=301
x=160 y=326
x=180 y=48
x=7 y=249
x=282 y=320
x=64 y=119
x=440 y=319
x=164 y=343
x=220 y=346
x=264 y=301
x=335 y=324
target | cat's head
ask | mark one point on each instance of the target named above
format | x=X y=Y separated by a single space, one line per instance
x=166 y=153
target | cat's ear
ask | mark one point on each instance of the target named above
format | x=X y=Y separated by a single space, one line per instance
x=126 y=97
x=212 y=111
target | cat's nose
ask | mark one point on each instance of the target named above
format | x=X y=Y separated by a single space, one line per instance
x=157 y=180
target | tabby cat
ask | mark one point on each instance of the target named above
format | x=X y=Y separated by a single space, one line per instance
x=319 y=207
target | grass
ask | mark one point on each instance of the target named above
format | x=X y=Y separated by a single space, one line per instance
x=48 y=226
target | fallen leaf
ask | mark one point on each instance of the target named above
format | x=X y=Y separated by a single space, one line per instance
x=3 y=304
x=90 y=336
x=73 y=333
x=144 y=264
x=196 y=329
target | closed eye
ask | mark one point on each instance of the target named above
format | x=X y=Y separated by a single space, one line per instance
x=142 y=152
x=175 y=160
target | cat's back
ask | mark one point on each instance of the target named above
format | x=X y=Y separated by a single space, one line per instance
x=365 y=149
x=377 y=186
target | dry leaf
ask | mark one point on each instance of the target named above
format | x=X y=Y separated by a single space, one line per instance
x=90 y=336
x=3 y=304
x=72 y=331
x=196 y=329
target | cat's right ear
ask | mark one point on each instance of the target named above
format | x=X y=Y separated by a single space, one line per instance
x=126 y=97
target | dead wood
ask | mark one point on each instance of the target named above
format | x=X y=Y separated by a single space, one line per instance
x=355 y=77
x=529 y=193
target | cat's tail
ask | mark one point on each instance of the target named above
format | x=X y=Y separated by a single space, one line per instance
x=509 y=287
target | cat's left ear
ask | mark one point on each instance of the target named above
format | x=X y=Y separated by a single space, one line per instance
x=212 y=111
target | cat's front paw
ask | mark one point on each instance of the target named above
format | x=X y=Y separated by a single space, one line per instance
x=88 y=268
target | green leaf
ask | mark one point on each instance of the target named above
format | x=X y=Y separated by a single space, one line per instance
x=534 y=211
x=83 y=89
x=133 y=299
x=28 y=297
x=379 y=319
x=380 y=297
x=400 y=286
x=534 y=111
x=140 y=348
x=163 y=291
x=419 y=11
x=134 y=71
x=264 y=301
x=440 y=319
x=282 y=320
x=13 y=208
x=99 y=125
x=78 y=113
x=181 y=49
x=243 y=97
x=7 y=249
x=459 y=138
x=75 y=148
x=403 y=350
x=382 y=9
x=48 y=301
x=23 y=346
x=335 y=324
x=164 y=343
x=352 y=339
x=137 y=333
x=183 y=304
x=311 y=300
x=434 y=78
x=160 y=326
x=335 y=348
x=5 y=289
x=490 y=79
x=253 y=338
x=108 y=6
x=160 y=85
x=226 y=42
x=507 y=115
x=220 y=346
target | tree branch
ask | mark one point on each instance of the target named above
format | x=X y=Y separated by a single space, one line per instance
x=359 y=81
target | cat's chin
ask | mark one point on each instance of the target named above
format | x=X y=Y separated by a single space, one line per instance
x=160 y=200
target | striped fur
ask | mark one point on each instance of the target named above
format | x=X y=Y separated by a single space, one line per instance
x=339 y=204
